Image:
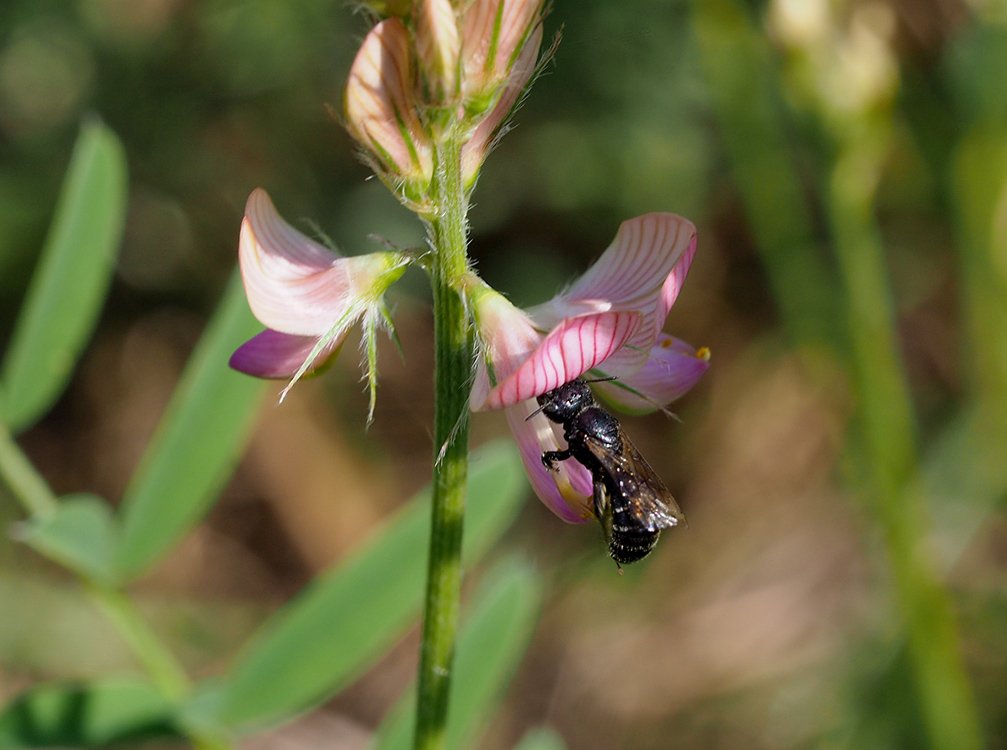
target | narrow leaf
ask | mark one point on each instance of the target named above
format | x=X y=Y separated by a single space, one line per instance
x=72 y=277
x=197 y=443
x=81 y=535
x=346 y=619
x=492 y=640
x=86 y=715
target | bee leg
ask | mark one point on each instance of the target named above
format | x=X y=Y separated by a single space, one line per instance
x=550 y=458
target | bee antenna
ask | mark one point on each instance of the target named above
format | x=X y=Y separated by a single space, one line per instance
x=534 y=413
x=601 y=380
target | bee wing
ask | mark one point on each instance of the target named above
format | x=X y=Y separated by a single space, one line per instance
x=648 y=499
x=603 y=509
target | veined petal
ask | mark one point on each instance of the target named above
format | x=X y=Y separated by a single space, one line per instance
x=272 y=354
x=380 y=111
x=571 y=349
x=672 y=369
x=643 y=270
x=474 y=152
x=295 y=285
x=493 y=35
x=438 y=45
x=557 y=489
x=506 y=336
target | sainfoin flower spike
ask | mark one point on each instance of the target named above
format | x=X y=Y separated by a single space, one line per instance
x=306 y=295
x=608 y=321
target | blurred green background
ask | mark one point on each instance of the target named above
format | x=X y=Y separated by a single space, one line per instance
x=842 y=465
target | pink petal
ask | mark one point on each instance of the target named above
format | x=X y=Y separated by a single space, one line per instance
x=380 y=108
x=672 y=369
x=643 y=270
x=507 y=337
x=271 y=354
x=493 y=35
x=571 y=349
x=438 y=45
x=474 y=152
x=557 y=489
x=293 y=284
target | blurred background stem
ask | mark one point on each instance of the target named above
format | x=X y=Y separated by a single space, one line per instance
x=736 y=60
x=744 y=81
x=452 y=373
x=980 y=167
x=885 y=416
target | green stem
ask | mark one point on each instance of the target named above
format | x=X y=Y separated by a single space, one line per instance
x=452 y=375
x=156 y=659
x=24 y=482
x=886 y=417
x=39 y=501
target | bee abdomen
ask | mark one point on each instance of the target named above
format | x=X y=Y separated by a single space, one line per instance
x=628 y=546
x=630 y=541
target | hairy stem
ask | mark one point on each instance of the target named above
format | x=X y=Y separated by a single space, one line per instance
x=452 y=375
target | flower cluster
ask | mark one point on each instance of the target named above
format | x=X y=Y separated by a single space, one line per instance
x=454 y=71
x=608 y=321
x=449 y=68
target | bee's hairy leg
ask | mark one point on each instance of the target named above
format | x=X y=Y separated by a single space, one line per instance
x=551 y=458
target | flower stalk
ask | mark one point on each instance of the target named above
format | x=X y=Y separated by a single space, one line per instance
x=452 y=376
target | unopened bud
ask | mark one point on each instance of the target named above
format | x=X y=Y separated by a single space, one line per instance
x=494 y=34
x=381 y=112
x=438 y=46
x=474 y=152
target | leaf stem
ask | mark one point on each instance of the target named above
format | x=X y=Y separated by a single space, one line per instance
x=157 y=660
x=24 y=482
x=452 y=376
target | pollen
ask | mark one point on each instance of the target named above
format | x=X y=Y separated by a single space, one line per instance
x=703 y=353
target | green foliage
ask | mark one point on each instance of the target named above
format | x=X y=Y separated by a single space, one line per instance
x=95 y=714
x=81 y=535
x=493 y=637
x=197 y=444
x=346 y=619
x=69 y=285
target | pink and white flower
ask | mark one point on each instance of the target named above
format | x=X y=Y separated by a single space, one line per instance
x=609 y=321
x=308 y=296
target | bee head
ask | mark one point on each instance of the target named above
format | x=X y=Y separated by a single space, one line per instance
x=564 y=403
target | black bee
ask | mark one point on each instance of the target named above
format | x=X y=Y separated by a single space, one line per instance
x=630 y=500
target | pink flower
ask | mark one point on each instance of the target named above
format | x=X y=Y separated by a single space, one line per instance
x=495 y=33
x=438 y=45
x=308 y=297
x=382 y=110
x=609 y=321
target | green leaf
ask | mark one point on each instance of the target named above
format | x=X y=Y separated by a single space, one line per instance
x=85 y=715
x=72 y=277
x=81 y=535
x=348 y=618
x=543 y=738
x=492 y=640
x=197 y=443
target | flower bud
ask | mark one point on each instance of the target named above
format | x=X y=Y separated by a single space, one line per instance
x=438 y=46
x=475 y=150
x=494 y=33
x=381 y=110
